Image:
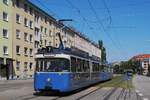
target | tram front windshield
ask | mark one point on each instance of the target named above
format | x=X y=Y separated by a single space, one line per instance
x=53 y=65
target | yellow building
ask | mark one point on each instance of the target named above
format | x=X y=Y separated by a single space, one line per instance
x=23 y=39
x=32 y=28
x=6 y=66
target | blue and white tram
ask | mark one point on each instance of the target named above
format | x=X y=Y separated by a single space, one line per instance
x=64 y=72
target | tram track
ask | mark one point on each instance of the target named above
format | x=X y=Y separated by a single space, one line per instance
x=80 y=97
x=77 y=95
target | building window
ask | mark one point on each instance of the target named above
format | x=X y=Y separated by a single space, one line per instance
x=17 y=3
x=17 y=65
x=5 y=50
x=25 y=66
x=5 y=33
x=30 y=65
x=25 y=51
x=31 y=52
x=31 y=38
x=25 y=22
x=36 y=18
x=18 y=18
x=50 y=43
x=36 y=32
x=41 y=28
x=18 y=50
x=31 y=24
x=45 y=30
x=25 y=7
x=41 y=43
x=50 y=33
x=31 y=11
x=5 y=2
x=45 y=42
x=45 y=19
x=26 y=36
x=50 y=23
x=18 y=34
x=36 y=44
x=5 y=16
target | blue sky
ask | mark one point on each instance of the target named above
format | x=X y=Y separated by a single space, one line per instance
x=126 y=35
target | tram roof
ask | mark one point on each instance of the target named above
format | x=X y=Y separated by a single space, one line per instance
x=48 y=51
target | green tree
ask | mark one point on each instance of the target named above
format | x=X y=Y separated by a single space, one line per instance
x=100 y=43
x=103 y=55
x=103 y=51
x=134 y=65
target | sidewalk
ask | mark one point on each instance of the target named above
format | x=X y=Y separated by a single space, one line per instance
x=142 y=87
x=15 y=81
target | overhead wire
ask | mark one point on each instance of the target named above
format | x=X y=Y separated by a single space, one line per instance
x=52 y=13
x=100 y=25
x=111 y=23
x=80 y=14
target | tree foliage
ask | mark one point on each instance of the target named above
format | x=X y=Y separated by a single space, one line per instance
x=103 y=51
x=125 y=65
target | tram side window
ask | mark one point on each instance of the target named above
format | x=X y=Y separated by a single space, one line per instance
x=96 y=67
x=86 y=66
x=41 y=65
x=105 y=68
x=93 y=68
x=37 y=66
x=102 y=67
x=45 y=65
x=79 y=65
x=82 y=65
x=73 y=64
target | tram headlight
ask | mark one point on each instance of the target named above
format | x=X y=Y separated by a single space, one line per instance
x=48 y=80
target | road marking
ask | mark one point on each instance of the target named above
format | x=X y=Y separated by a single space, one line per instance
x=145 y=99
x=137 y=91
x=140 y=94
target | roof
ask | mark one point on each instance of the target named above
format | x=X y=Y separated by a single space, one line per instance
x=141 y=57
x=39 y=9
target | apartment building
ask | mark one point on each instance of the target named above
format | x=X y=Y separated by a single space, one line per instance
x=144 y=60
x=85 y=44
x=23 y=38
x=26 y=28
x=6 y=69
x=33 y=29
x=145 y=65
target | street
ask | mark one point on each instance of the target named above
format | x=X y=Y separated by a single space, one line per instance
x=142 y=86
x=23 y=90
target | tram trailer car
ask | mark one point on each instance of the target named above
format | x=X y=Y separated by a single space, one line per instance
x=65 y=72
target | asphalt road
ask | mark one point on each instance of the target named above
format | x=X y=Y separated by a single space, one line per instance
x=23 y=90
x=142 y=85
